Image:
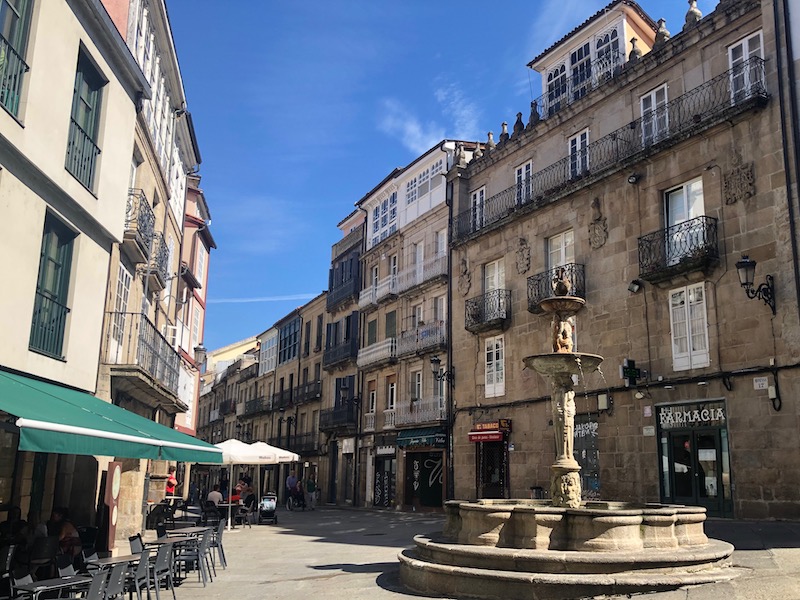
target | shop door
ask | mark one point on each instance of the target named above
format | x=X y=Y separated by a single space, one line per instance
x=424 y=479
x=333 y=452
x=492 y=469
x=385 y=481
x=696 y=469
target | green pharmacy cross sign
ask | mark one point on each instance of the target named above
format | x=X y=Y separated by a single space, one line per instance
x=629 y=373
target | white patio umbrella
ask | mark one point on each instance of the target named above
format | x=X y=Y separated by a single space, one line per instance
x=282 y=457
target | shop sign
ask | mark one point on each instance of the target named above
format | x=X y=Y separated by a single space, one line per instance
x=500 y=424
x=691 y=415
x=349 y=446
x=486 y=436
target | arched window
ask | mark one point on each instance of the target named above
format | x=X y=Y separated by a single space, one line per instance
x=556 y=89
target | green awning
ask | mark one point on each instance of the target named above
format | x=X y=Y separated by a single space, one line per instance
x=426 y=436
x=52 y=418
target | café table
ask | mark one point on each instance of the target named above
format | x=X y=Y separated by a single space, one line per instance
x=185 y=531
x=56 y=584
x=110 y=561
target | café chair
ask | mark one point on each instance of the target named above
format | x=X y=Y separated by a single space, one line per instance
x=43 y=554
x=65 y=566
x=216 y=542
x=16 y=581
x=96 y=590
x=161 y=570
x=199 y=557
x=115 y=586
x=137 y=545
x=139 y=578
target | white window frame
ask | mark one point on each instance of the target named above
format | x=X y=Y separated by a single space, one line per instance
x=561 y=249
x=197 y=319
x=391 y=395
x=440 y=308
x=411 y=190
x=494 y=367
x=523 y=177
x=384 y=219
x=416 y=384
x=580 y=65
x=440 y=242
x=477 y=206
x=688 y=318
x=201 y=264
x=557 y=86
x=655 y=117
x=417 y=314
x=692 y=206
x=578 y=151
x=607 y=54
x=743 y=79
x=373 y=399
x=494 y=275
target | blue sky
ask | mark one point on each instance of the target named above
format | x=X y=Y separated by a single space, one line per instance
x=303 y=107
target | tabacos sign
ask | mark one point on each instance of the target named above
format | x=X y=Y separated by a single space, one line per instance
x=691 y=415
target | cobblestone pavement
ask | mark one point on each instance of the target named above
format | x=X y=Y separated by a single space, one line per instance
x=352 y=555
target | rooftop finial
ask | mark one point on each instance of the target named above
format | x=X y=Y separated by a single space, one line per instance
x=635 y=54
x=519 y=126
x=534 y=118
x=490 y=145
x=662 y=35
x=478 y=152
x=504 y=132
x=693 y=15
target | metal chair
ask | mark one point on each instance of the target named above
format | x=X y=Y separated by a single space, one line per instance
x=96 y=589
x=140 y=578
x=199 y=556
x=115 y=586
x=65 y=566
x=216 y=542
x=43 y=554
x=6 y=560
x=87 y=556
x=15 y=581
x=161 y=570
x=161 y=530
x=137 y=545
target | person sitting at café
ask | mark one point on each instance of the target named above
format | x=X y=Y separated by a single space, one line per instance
x=214 y=496
x=13 y=530
x=69 y=540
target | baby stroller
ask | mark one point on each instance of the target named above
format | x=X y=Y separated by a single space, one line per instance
x=266 y=508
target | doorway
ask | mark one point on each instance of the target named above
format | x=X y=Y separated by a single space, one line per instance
x=492 y=469
x=385 y=481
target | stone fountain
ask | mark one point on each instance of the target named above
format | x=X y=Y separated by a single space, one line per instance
x=564 y=548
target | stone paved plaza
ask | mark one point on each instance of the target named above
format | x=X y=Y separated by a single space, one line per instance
x=351 y=554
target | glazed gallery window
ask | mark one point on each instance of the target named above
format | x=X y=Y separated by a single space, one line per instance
x=556 y=89
x=689 y=328
x=495 y=372
x=50 y=308
x=607 y=54
x=746 y=72
x=655 y=119
x=581 y=63
x=578 y=146
x=384 y=219
x=411 y=189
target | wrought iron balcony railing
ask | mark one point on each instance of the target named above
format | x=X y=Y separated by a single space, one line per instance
x=306 y=392
x=132 y=339
x=730 y=93
x=48 y=325
x=159 y=263
x=424 y=410
x=257 y=406
x=82 y=154
x=415 y=275
x=422 y=337
x=689 y=246
x=227 y=407
x=12 y=74
x=343 y=416
x=488 y=311
x=566 y=280
x=282 y=399
x=140 y=221
x=340 y=293
x=340 y=353
x=382 y=352
x=304 y=443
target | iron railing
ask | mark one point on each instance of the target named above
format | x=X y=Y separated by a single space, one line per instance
x=415 y=275
x=342 y=292
x=304 y=443
x=377 y=353
x=727 y=94
x=132 y=339
x=306 y=392
x=488 y=311
x=82 y=154
x=688 y=246
x=422 y=337
x=566 y=280
x=140 y=220
x=340 y=353
x=282 y=399
x=256 y=406
x=342 y=416
x=12 y=74
x=424 y=410
x=159 y=264
x=48 y=325
x=227 y=407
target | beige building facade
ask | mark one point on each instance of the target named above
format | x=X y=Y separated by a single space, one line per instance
x=670 y=170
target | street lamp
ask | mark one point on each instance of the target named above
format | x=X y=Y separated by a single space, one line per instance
x=438 y=374
x=746 y=269
x=200 y=355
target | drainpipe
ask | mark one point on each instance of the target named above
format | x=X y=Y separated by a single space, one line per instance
x=360 y=376
x=450 y=494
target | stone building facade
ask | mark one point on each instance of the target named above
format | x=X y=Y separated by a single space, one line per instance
x=637 y=188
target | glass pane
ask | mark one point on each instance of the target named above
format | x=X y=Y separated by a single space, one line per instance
x=726 y=465
x=707 y=467
x=682 y=465
x=665 y=468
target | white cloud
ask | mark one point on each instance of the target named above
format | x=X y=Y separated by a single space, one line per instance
x=262 y=299
x=397 y=121
x=464 y=114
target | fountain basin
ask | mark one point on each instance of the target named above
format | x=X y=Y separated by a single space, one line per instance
x=562 y=363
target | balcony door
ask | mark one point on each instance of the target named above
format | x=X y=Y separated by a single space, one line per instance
x=419 y=262
x=684 y=204
x=477 y=206
x=746 y=74
x=118 y=318
x=494 y=281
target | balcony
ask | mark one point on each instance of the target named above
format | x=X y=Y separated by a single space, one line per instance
x=422 y=338
x=733 y=92
x=282 y=399
x=143 y=363
x=158 y=268
x=347 y=242
x=227 y=407
x=425 y=410
x=257 y=406
x=369 y=422
x=12 y=74
x=47 y=328
x=680 y=249
x=384 y=352
x=82 y=155
x=340 y=418
x=387 y=288
x=140 y=224
x=304 y=443
x=307 y=392
x=490 y=311
x=339 y=294
x=429 y=270
x=389 y=418
x=367 y=298
x=340 y=354
x=566 y=280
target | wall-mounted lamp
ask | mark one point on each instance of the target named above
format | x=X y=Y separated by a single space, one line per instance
x=766 y=291
x=634 y=178
x=605 y=402
x=439 y=375
x=200 y=354
x=635 y=285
